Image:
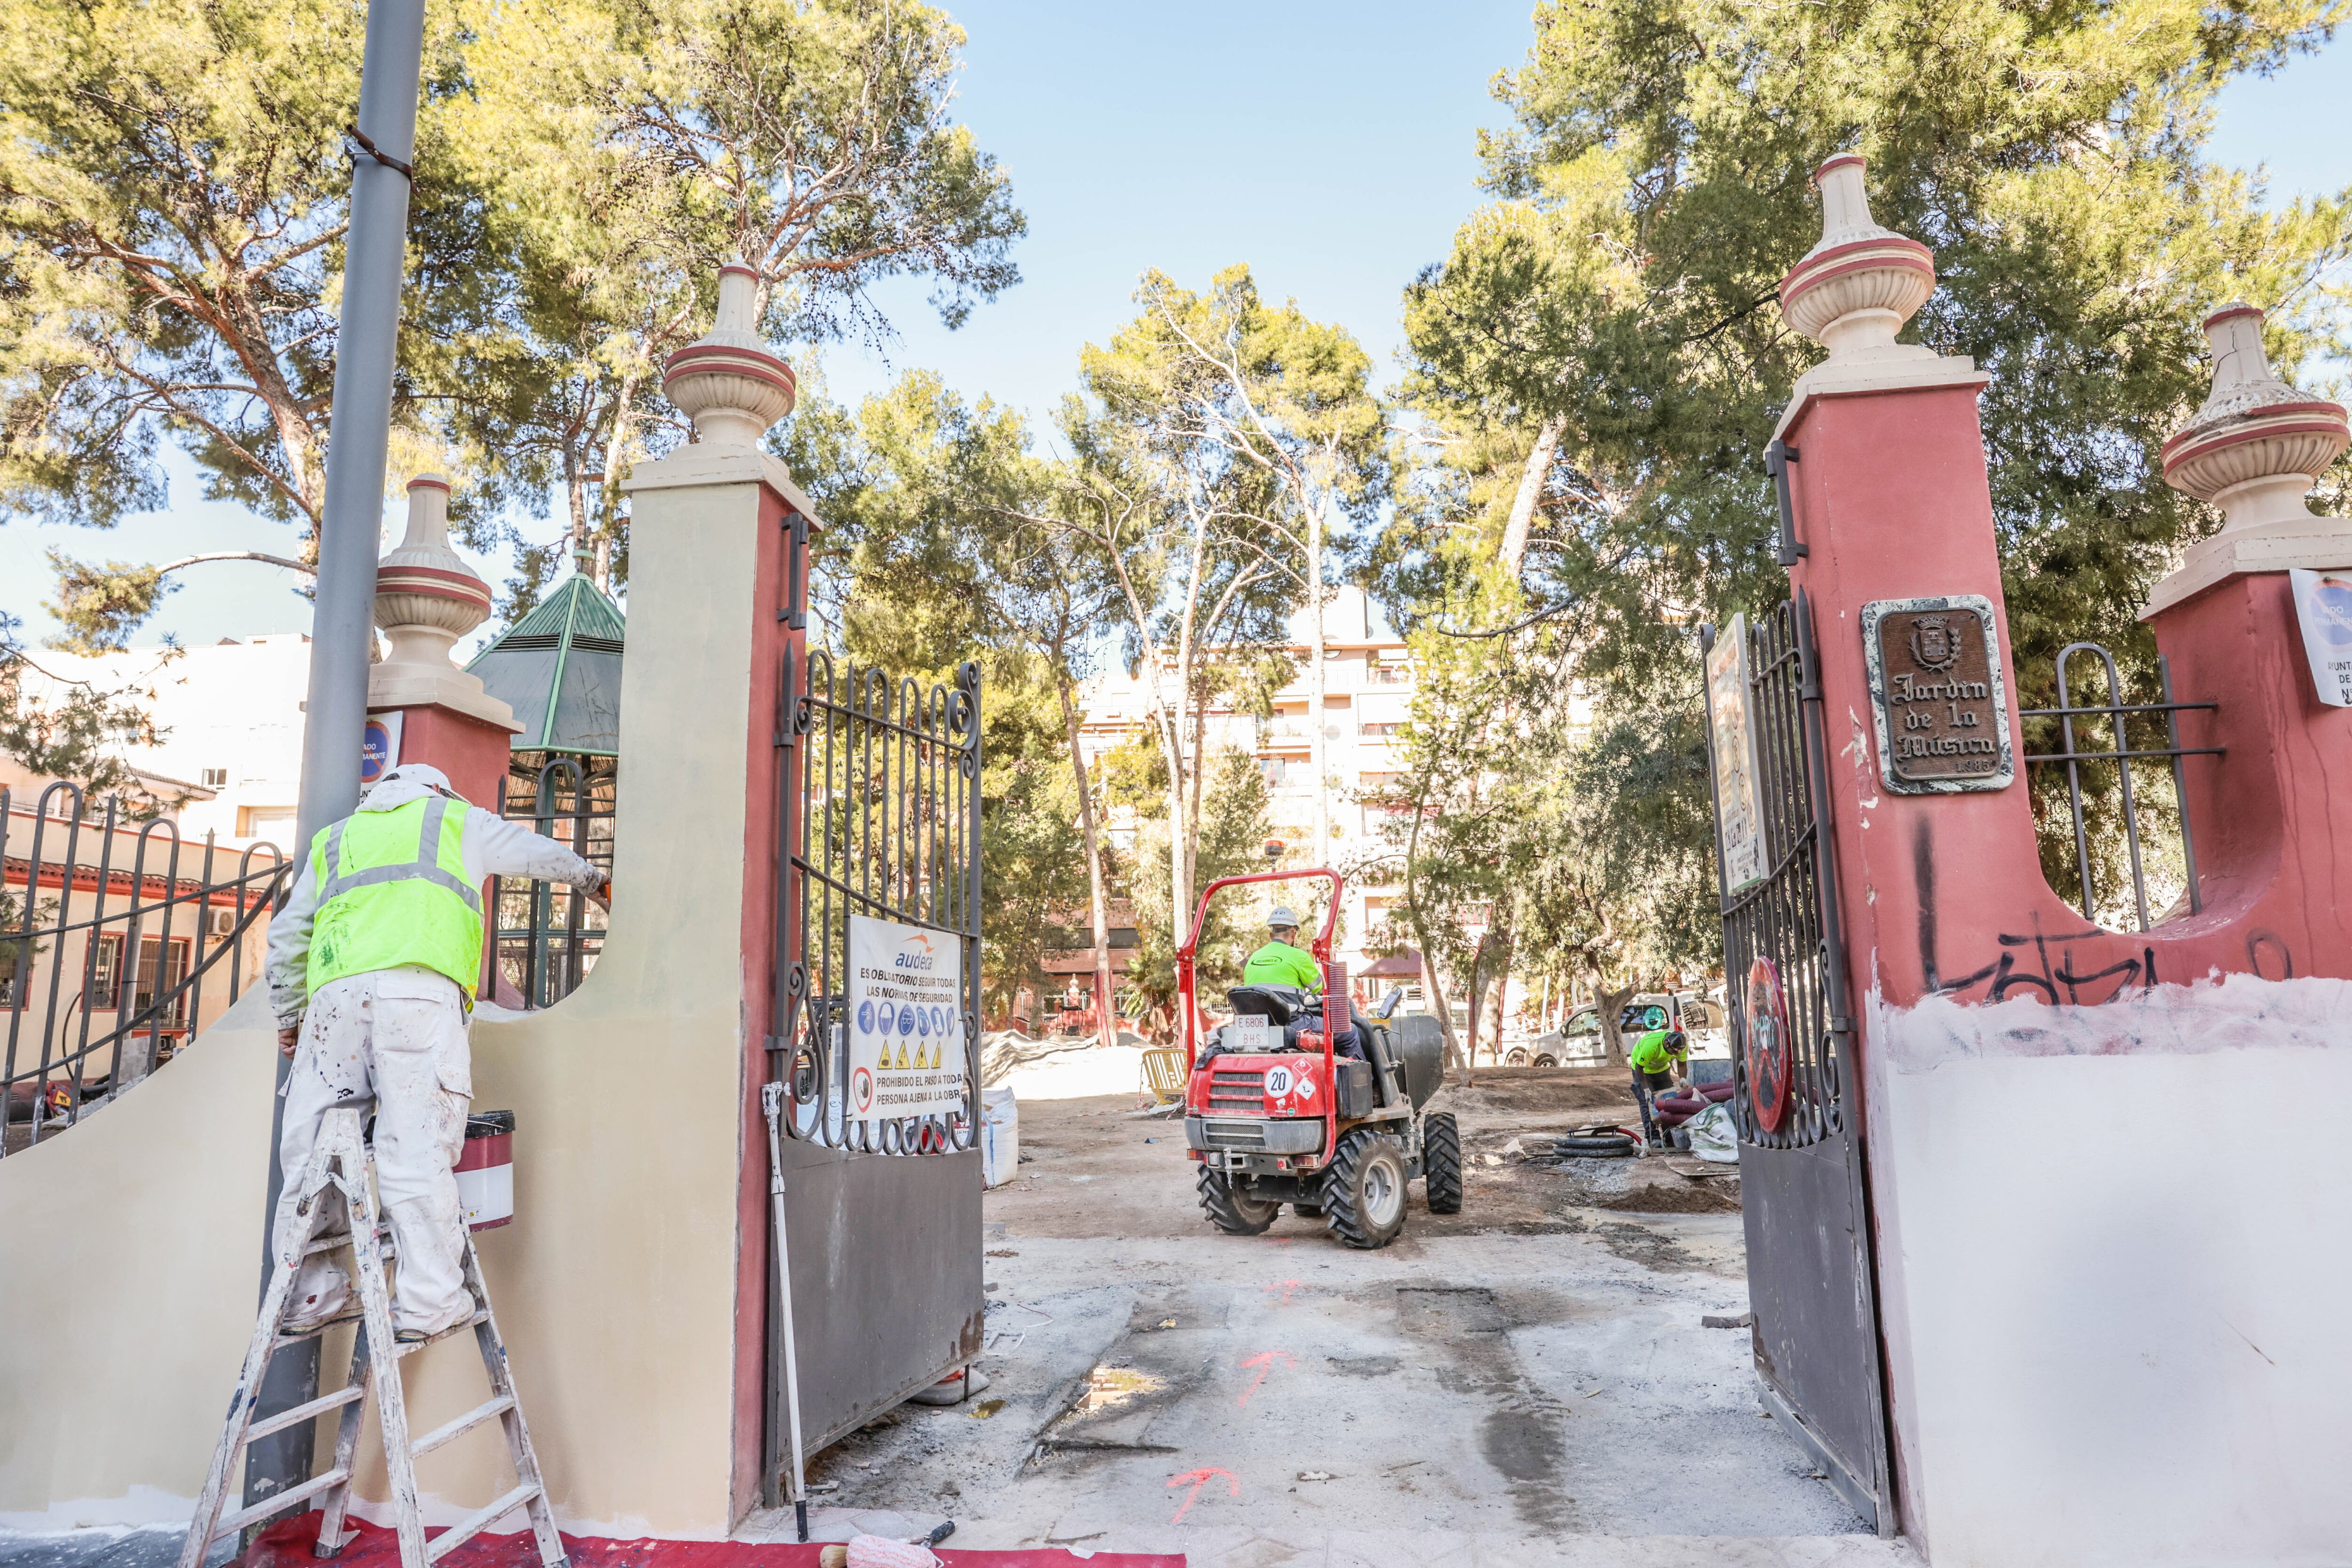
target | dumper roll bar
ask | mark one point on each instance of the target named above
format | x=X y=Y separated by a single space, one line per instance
x=1187 y=997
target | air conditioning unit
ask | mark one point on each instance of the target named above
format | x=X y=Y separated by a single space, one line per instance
x=220 y=922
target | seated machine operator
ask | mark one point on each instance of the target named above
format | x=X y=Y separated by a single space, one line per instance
x=1284 y=962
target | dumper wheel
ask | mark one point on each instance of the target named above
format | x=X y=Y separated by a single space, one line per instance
x=1363 y=1193
x=1230 y=1210
x=1441 y=1160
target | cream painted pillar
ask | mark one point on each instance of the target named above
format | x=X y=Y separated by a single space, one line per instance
x=631 y=1286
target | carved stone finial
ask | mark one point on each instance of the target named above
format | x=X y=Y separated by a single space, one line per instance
x=2257 y=446
x=727 y=381
x=427 y=597
x=1852 y=292
x=2254 y=449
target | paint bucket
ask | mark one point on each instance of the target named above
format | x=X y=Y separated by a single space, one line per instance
x=486 y=1170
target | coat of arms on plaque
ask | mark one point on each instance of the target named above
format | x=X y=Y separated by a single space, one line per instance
x=1934 y=646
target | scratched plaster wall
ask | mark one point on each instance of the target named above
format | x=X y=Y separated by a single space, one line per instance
x=2121 y=1230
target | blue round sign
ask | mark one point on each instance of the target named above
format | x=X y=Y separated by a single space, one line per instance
x=907 y=1020
x=866 y=1016
x=2332 y=601
x=938 y=1021
x=923 y=1022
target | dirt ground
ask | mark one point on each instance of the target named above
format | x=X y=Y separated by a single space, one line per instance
x=1528 y=1382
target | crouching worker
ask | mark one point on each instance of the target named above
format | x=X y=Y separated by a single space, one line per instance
x=372 y=964
x=1661 y=1062
x=1284 y=962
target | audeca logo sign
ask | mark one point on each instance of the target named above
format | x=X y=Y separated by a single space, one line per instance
x=908 y=1053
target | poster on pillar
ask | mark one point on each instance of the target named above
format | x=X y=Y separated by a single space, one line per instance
x=1937 y=697
x=2323 y=608
x=1731 y=751
x=909 y=1055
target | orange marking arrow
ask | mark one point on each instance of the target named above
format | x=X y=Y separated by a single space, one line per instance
x=1263 y=1362
x=1287 y=1286
x=1198 y=1479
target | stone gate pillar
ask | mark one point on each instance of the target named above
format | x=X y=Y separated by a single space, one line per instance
x=2096 y=1225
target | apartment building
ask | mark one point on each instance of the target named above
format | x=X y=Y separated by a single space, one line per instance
x=1368 y=677
x=229 y=723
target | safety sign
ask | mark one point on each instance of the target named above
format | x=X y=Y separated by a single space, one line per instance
x=2323 y=605
x=909 y=1052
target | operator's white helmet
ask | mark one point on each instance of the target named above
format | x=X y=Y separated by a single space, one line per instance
x=1280 y=918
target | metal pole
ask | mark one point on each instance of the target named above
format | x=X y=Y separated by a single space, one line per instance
x=382 y=146
x=772 y=1105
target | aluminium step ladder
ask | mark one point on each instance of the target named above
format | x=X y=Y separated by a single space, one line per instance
x=344 y=1161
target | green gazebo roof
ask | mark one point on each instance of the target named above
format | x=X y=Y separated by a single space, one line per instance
x=559 y=668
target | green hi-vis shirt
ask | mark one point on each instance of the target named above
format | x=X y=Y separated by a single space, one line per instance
x=1279 y=963
x=1650 y=1053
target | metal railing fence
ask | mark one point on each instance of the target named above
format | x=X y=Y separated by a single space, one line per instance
x=118 y=989
x=884 y=822
x=547 y=936
x=2120 y=756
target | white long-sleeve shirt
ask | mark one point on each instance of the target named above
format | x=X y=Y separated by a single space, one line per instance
x=492 y=846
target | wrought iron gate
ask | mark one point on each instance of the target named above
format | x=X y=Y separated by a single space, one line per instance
x=877 y=815
x=1806 y=1210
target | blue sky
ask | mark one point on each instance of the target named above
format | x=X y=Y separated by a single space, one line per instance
x=1331 y=146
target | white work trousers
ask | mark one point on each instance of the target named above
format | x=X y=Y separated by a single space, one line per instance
x=397 y=1036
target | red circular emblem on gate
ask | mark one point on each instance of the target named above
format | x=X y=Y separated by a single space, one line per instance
x=1767 y=1044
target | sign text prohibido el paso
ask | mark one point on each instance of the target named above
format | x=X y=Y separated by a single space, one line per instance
x=908 y=1050
x=1937 y=697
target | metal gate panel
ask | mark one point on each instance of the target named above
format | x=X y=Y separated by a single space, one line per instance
x=1805 y=1207
x=877 y=815
x=885 y=1278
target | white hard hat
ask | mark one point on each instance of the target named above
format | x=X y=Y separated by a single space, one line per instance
x=1280 y=918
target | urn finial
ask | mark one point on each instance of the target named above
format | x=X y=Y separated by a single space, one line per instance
x=1854 y=290
x=727 y=381
x=427 y=597
x=2257 y=445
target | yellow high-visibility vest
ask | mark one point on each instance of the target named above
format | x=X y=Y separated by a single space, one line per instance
x=392 y=890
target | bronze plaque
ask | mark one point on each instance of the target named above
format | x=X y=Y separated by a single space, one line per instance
x=1937 y=694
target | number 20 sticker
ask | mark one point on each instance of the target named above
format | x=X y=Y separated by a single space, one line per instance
x=1278 y=1082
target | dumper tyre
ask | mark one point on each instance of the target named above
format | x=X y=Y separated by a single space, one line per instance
x=1441 y=1161
x=1232 y=1211
x=1363 y=1193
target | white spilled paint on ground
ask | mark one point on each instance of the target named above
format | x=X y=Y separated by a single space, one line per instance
x=2110 y=1242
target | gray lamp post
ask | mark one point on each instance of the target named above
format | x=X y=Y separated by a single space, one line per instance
x=382 y=146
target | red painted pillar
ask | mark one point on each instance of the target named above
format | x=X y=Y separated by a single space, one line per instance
x=2033 y=1087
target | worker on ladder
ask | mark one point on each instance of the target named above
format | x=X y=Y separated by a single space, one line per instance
x=372 y=964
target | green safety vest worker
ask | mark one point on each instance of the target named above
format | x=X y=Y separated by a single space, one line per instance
x=1279 y=963
x=391 y=889
x=1651 y=1054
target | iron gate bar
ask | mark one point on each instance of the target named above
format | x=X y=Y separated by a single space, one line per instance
x=174 y=999
x=885 y=808
x=1812 y=1274
x=2066 y=712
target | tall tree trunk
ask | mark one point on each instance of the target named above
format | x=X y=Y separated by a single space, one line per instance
x=1611 y=1000
x=1105 y=1024
x=617 y=446
x=1317 y=743
x=1523 y=505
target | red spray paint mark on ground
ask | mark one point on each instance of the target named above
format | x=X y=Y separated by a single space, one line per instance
x=1263 y=1362
x=287 y=1544
x=1287 y=1286
x=1198 y=1479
